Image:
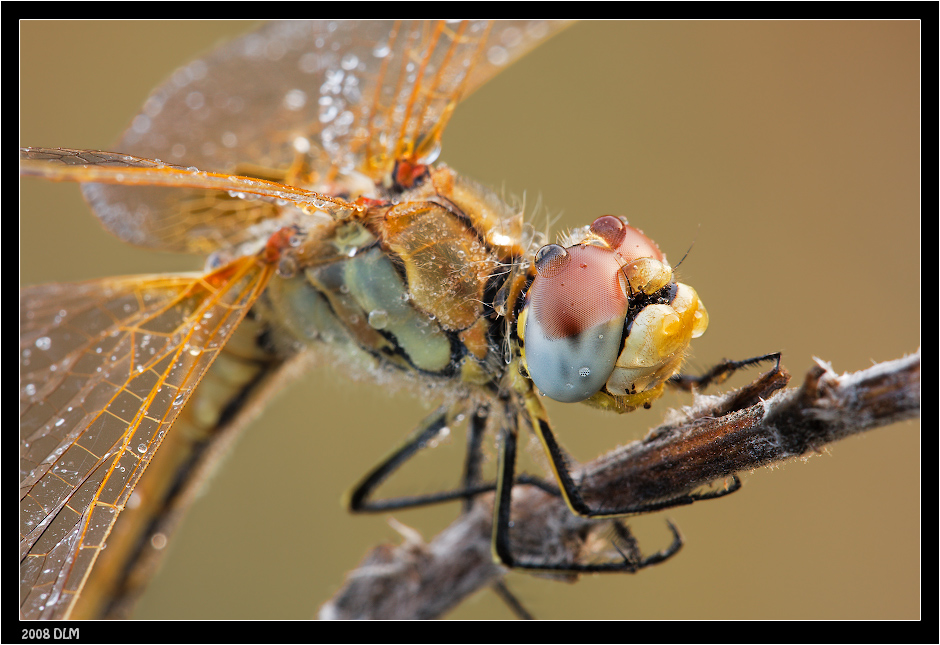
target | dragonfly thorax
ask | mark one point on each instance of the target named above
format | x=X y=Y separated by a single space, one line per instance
x=420 y=283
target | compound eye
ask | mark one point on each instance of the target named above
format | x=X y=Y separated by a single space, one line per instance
x=636 y=245
x=574 y=320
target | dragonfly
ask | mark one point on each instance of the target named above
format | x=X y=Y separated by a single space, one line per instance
x=350 y=238
x=445 y=146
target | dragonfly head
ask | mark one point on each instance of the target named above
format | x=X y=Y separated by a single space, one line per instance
x=605 y=321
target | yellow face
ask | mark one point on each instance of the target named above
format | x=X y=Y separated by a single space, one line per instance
x=605 y=322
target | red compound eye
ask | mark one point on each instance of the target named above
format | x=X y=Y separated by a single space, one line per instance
x=574 y=320
x=627 y=240
x=576 y=290
x=635 y=245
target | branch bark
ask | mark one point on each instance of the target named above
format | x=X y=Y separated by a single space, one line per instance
x=758 y=425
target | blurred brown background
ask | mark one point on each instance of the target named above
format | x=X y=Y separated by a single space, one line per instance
x=788 y=152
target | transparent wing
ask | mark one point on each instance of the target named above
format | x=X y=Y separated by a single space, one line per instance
x=249 y=200
x=105 y=368
x=308 y=104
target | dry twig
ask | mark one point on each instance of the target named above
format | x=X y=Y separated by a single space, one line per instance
x=757 y=425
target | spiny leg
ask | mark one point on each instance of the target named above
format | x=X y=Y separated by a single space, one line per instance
x=502 y=551
x=358 y=498
x=569 y=490
x=473 y=464
x=471 y=481
x=720 y=372
x=511 y=601
x=623 y=541
x=628 y=548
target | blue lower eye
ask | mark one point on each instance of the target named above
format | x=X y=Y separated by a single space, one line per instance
x=574 y=368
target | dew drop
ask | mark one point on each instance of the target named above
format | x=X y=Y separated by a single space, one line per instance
x=195 y=100
x=295 y=99
x=301 y=144
x=551 y=259
x=381 y=50
x=497 y=55
x=287 y=267
x=141 y=123
x=378 y=318
x=44 y=343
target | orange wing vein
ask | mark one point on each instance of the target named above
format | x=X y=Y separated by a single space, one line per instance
x=319 y=105
x=106 y=367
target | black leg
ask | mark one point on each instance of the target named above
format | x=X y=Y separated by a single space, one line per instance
x=570 y=491
x=623 y=541
x=511 y=601
x=357 y=499
x=628 y=548
x=504 y=476
x=473 y=465
x=720 y=373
